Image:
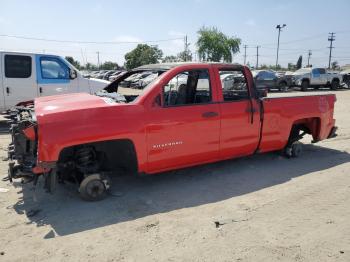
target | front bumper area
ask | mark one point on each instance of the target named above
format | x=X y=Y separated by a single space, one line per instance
x=22 y=151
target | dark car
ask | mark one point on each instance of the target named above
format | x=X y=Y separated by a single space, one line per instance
x=269 y=80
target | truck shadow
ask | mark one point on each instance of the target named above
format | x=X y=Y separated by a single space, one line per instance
x=137 y=197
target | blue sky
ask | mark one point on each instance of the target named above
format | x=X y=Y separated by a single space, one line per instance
x=308 y=24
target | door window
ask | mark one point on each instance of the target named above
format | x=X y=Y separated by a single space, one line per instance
x=18 y=66
x=235 y=88
x=188 y=87
x=52 y=68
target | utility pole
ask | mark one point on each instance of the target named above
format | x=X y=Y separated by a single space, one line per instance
x=186 y=48
x=245 y=53
x=257 y=57
x=331 y=38
x=98 y=59
x=308 y=58
x=279 y=27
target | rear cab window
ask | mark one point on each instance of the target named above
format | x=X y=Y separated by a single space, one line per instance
x=18 y=66
x=234 y=85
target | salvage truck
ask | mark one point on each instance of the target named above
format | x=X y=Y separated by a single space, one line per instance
x=184 y=117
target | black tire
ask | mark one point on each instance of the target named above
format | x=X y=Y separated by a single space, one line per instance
x=94 y=187
x=283 y=87
x=335 y=84
x=297 y=149
x=304 y=85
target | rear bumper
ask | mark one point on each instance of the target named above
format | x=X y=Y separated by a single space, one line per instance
x=333 y=132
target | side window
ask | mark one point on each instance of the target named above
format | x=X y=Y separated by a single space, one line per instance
x=52 y=68
x=189 y=87
x=315 y=72
x=234 y=85
x=322 y=71
x=18 y=66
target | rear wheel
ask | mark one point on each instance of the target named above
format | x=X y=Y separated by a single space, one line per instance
x=94 y=187
x=334 y=84
x=294 y=150
x=304 y=85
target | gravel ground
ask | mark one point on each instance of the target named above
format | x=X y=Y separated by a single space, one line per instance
x=259 y=208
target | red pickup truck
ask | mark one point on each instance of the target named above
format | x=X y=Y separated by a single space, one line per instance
x=188 y=115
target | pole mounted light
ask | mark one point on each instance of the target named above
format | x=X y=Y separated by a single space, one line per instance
x=279 y=27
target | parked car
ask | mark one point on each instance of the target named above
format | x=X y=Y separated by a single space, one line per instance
x=113 y=76
x=346 y=77
x=173 y=124
x=315 y=78
x=24 y=76
x=269 y=80
x=108 y=74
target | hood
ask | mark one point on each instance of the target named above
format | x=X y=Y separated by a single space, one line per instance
x=67 y=103
x=100 y=81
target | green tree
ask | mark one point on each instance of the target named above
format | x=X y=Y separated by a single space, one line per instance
x=185 y=55
x=335 y=65
x=215 y=46
x=299 y=63
x=142 y=55
x=71 y=60
x=170 y=59
x=108 y=65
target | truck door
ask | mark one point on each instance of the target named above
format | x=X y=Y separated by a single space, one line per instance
x=184 y=129
x=240 y=118
x=19 y=81
x=315 y=77
x=53 y=76
x=2 y=97
x=323 y=76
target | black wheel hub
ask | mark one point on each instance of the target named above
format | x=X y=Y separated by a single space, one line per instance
x=95 y=188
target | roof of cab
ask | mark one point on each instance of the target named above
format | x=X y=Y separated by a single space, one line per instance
x=167 y=66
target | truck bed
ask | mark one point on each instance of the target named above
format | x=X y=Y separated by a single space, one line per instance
x=313 y=110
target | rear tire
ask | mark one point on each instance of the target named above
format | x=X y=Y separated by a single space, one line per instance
x=294 y=150
x=304 y=85
x=334 y=84
x=94 y=187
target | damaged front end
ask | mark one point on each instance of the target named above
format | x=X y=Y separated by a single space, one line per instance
x=22 y=151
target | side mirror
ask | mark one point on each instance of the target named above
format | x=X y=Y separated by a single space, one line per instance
x=261 y=92
x=72 y=74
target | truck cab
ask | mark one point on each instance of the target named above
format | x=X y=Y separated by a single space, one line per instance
x=25 y=76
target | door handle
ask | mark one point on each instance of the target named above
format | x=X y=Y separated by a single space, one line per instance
x=209 y=114
x=7 y=90
x=40 y=90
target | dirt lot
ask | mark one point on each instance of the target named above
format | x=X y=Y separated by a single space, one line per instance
x=261 y=208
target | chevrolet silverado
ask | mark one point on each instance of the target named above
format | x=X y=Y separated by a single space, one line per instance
x=184 y=117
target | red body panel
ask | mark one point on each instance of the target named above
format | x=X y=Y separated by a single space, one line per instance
x=176 y=137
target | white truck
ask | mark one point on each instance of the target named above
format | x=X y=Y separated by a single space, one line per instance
x=24 y=76
x=315 y=78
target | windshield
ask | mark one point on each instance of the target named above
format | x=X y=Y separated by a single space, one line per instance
x=130 y=85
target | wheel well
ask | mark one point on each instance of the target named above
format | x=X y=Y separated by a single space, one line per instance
x=304 y=126
x=305 y=80
x=113 y=155
x=335 y=80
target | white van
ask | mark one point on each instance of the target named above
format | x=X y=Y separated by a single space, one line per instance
x=24 y=76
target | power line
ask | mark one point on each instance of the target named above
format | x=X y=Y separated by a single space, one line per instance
x=331 y=38
x=88 y=42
